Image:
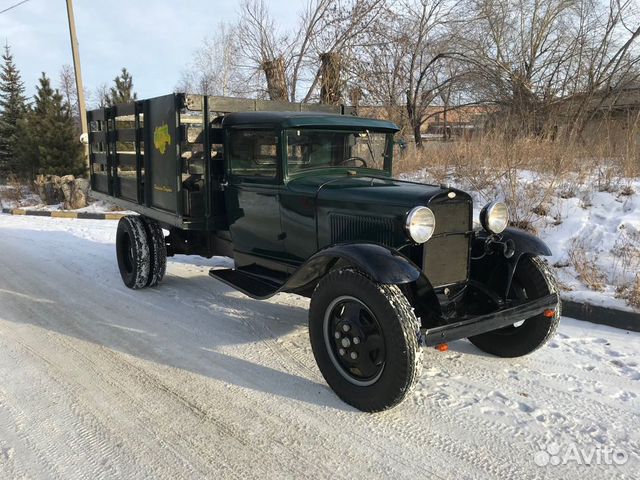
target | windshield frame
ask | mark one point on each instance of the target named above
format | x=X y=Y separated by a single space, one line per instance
x=385 y=171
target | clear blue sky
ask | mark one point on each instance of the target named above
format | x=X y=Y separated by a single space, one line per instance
x=153 y=39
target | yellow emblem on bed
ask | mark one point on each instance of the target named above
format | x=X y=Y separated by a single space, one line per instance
x=161 y=138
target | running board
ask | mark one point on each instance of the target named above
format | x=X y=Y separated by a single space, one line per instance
x=248 y=283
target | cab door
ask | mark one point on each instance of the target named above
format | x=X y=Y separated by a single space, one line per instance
x=254 y=177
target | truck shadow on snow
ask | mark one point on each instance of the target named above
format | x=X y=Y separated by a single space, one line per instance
x=189 y=322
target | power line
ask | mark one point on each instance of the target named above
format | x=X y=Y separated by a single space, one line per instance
x=13 y=6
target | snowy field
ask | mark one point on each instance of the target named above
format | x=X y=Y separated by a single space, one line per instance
x=194 y=380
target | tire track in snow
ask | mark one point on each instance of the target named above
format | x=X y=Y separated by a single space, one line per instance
x=442 y=429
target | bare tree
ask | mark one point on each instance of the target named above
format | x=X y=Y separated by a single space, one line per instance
x=401 y=66
x=214 y=69
x=378 y=67
x=290 y=59
x=99 y=97
x=606 y=57
x=529 y=54
x=67 y=86
x=525 y=58
x=263 y=48
x=329 y=30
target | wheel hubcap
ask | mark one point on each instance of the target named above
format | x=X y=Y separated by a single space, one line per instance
x=354 y=340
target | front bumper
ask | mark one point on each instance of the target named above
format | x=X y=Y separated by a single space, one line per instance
x=486 y=323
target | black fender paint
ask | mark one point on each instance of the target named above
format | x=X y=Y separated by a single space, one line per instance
x=524 y=243
x=378 y=262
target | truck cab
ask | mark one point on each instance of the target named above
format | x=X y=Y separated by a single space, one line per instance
x=276 y=167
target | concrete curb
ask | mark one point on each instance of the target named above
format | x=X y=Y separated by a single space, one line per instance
x=580 y=311
x=602 y=315
x=64 y=214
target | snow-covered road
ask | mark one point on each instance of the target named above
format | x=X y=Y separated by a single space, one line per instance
x=195 y=380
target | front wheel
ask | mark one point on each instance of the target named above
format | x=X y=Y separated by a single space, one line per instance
x=364 y=337
x=532 y=279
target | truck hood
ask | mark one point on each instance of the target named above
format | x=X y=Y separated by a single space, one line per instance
x=367 y=208
x=368 y=193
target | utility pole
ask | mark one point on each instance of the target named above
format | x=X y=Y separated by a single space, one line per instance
x=79 y=86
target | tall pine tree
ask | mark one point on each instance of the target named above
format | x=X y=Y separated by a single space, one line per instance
x=122 y=92
x=48 y=140
x=12 y=110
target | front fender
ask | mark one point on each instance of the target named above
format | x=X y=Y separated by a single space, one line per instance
x=379 y=263
x=526 y=243
x=521 y=242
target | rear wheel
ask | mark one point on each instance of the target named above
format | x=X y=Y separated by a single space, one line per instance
x=364 y=337
x=157 y=252
x=133 y=252
x=533 y=279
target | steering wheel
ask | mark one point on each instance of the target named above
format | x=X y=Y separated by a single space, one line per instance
x=360 y=159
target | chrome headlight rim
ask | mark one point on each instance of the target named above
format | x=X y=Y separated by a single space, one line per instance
x=491 y=214
x=415 y=227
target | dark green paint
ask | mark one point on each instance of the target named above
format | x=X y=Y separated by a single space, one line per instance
x=279 y=222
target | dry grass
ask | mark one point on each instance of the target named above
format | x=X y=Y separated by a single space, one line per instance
x=626 y=251
x=14 y=191
x=633 y=298
x=630 y=293
x=627 y=191
x=610 y=151
x=492 y=166
x=586 y=268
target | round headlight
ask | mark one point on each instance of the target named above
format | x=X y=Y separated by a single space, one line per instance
x=494 y=217
x=421 y=224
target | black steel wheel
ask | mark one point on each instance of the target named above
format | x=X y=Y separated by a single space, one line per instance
x=157 y=251
x=133 y=252
x=364 y=337
x=354 y=339
x=533 y=279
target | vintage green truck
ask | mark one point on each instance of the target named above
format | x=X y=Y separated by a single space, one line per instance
x=303 y=199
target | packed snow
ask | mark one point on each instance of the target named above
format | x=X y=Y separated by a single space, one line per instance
x=194 y=380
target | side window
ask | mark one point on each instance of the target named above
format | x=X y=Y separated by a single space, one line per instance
x=254 y=153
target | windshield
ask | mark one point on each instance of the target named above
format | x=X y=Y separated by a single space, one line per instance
x=307 y=149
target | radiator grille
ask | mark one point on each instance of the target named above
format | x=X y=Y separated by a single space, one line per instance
x=346 y=228
x=446 y=254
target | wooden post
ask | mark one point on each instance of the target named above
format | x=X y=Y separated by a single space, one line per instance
x=76 y=66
